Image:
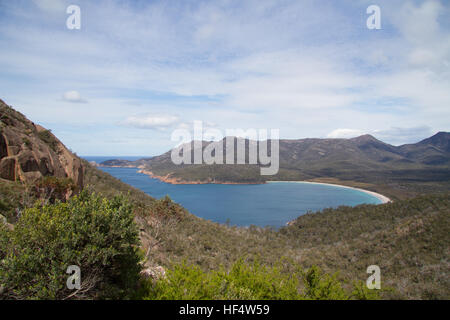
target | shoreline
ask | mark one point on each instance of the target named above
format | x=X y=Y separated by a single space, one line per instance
x=113 y=165
x=379 y=196
x=168 y=179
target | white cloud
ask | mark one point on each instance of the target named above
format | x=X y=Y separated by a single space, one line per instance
x=151 y=121
x=399 y=136
x=393 y=135
x=52 y=6
x=344 y=133
x=422 y=57
x=248 y=64
x=419 y=23
x=73 y=96
x=205 y=126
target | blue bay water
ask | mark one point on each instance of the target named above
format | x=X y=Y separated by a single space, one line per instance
x=271 y=204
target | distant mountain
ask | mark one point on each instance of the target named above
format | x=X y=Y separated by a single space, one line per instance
x=431 y=151
x=364 y=152
x=123 y=163
x=440 y=140
x=115 y=163
x=362 y=158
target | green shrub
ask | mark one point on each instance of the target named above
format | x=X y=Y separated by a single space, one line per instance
x=247 y=281
x=14 y=196
x=27 y=142
x=4 y=206
x=52 y=188
x=165 y=208
x=320 y=286
x=94 y=233
x=49 y=139
x=361 y=292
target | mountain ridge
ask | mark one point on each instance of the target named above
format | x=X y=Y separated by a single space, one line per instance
x=360 y=158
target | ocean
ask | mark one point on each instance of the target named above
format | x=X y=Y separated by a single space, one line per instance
x=272 y=204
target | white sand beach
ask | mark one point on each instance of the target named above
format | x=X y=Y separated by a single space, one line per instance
x=381 y=197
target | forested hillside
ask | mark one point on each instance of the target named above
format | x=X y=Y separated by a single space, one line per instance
x=133 y=246
x=402 y=171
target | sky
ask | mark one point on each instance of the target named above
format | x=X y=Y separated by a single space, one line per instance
x=137 y=70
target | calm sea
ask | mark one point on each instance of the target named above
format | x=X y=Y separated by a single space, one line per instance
x=271 y=204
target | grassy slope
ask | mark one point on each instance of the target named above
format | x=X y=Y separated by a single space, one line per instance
x=408 y=239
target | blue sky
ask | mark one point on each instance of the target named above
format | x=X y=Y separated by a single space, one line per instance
x=137 y=70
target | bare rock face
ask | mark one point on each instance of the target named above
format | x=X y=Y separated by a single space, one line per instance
x=154 y=273
x=29 y=152
x=8 y=168
x=5 y=222
x=3 y=147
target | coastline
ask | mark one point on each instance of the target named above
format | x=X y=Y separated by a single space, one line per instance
x=379 y=196
x=168 y=179
x=114 y=166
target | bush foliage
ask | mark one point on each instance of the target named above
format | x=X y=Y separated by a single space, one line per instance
x=53 y=188
x=408 y=239
x=49 y=139
x=250 y=281
x=94 y=233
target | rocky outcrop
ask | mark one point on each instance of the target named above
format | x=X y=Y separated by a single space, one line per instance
x=5 y=222
x=3 y=147
x=29 y=152
x=8 y=168
x=155 y=273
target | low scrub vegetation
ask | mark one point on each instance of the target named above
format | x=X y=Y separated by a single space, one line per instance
x=52 y=188
x=96 y=234
x=407 y=239
x=245 y=281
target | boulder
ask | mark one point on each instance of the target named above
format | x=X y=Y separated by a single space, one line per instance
x=3 y=147
x=27 y=161
x=29 y=152
x=8 y=168
x=154 y=273
x=5 y=222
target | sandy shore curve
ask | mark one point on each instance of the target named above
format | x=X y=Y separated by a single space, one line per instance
x=380 y=197
x=168 y=179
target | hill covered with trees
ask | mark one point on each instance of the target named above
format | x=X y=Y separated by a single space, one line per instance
x=401 y=171
x=131 y=245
